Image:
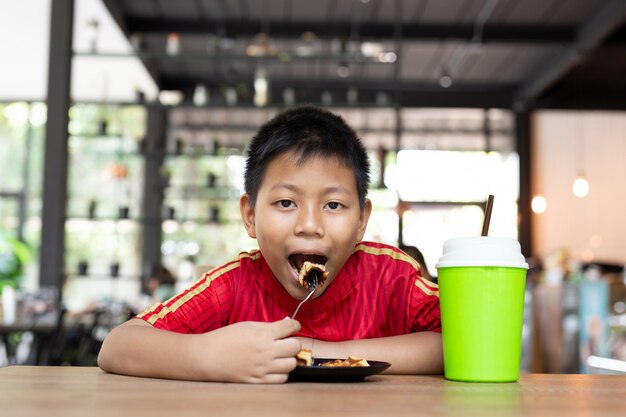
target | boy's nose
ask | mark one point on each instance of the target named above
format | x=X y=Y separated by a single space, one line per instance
x=309 y=222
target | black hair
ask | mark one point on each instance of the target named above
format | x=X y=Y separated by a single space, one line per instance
x=417 y=254
x=307 y=131
x=163 y=275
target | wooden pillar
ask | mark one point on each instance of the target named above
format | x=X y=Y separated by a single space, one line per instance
x=153 y=192
x=523 y=146
x=51 y=262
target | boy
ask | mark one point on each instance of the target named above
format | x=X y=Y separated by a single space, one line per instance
x=306 y=182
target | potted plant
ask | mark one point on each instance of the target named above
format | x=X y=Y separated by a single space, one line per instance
x=14 y=255
x=214 y=214
x=93 y=206
x=168 y=212
x=179 y=146
x=166 y=175
x=114 y=268
x=123 y=212
x=125 y=197
x=102 y=127
x=210 y=180
x=83 y=268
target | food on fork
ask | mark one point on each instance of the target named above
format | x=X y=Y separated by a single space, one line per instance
x=304 y=357
x=352 y=361
x=312 y=275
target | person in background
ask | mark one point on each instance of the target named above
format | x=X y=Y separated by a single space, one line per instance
x=306 y=179
x=416 y=254
x=162 y=284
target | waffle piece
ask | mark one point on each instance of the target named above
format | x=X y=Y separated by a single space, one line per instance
x=352 y=361
x=304 y=357
x=309 y=272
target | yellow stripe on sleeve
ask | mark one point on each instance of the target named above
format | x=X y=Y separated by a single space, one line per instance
x=423 y=285
x=389 y=252
x=426 y=286
x=208 y=278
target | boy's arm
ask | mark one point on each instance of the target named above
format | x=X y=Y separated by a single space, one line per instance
x=415 y=353
x=242 y=352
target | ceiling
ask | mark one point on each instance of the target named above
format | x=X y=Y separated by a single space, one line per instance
x=423 y=53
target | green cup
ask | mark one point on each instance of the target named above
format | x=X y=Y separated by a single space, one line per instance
x=481 y=290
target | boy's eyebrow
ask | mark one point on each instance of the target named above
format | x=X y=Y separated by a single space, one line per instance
x=327 y=190
x=336 y=189
x=290 y=187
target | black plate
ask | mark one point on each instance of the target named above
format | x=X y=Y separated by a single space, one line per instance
x=317 y=373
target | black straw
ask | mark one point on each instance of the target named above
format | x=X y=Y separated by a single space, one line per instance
x=487 y=215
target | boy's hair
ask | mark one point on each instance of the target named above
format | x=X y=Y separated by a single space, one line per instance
x=307 y=131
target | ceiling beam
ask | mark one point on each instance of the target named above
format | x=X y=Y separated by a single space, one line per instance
x=407 y=94
x=534 y=34
x=570 y=95
x=363 y=83
x=117 y=14
x=589 y=35
x=462 y=99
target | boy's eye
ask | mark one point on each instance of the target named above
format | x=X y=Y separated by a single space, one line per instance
x=285 y=203
x=333 y=205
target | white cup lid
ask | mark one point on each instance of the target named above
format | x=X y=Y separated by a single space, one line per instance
x=482 y=251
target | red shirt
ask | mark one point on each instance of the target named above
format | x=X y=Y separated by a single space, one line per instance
x=378 y=292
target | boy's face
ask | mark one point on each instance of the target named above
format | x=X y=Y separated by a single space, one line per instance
x=305 y=212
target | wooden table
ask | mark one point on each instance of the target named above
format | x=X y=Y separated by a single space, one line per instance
x=65 y=391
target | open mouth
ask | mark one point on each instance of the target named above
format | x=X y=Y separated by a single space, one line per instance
x=297 y=261
x=309 y=270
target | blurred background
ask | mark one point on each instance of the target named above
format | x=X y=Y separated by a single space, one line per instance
x=123 y=126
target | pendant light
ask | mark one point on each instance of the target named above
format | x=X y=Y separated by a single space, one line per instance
x=539 y=204
x=261 y=87
x=580 y=186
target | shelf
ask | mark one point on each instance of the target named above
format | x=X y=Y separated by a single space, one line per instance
x=247 y=105
x=104 y=219
x=216 y=127
x=202 y=187
x=286 y=57
x=201 y=222
x=362 y=130
x=197 y=155
x=103 y=136
x=201 y=191
x=121 y=277
x=8 y=194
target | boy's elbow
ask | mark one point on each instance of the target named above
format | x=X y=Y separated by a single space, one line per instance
x=102 y=364
x=432 y=346
x=110 y=350
x=104 y=361
x=438 y=354
x=118 y=346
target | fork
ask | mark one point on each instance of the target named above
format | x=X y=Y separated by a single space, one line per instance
x=313 y=287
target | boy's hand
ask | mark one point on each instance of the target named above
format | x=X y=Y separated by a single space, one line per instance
x=256 y=352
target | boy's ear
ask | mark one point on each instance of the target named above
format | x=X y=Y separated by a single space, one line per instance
x=364 y=218
x=247 y=215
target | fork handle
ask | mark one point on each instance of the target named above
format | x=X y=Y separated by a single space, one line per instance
x=302 y=302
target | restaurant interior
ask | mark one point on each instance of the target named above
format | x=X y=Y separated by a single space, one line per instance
x=124 y=124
